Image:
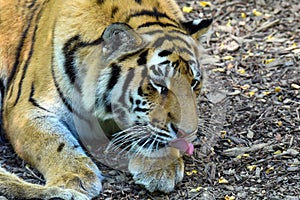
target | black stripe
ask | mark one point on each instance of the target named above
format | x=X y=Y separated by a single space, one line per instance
x=178 y=49
x=31 y=4
x=2 y=89
x=114 y=77
x=60 y=147
x=33 y=101
x=150 y=13
x=139 y=1
x=20 y=47
x=164 y=63
x=69 y=50
x=114 y=10
x=141 y=109
x=100 y=2
x=108 y=106
x=127 y=81
x=153 y=32
x=159 y=69
x=143 y=58
x=140 y=91
x=188 y=45
x=185 y=50
x=104 y=99
x=193 y=28
x=171 y=38
x=179 y=31
x=154 y=71
x=66 y=125
x=64 y=99
x=60 y=93
x=144 y=74
x=1 y=110
x=164 y=53
x=159 y=41
x=148 y=24
x=175 y=64
x=29 y=58
x=10 y=90
x=129 y=55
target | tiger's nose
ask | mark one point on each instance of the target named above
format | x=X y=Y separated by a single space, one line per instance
x=180 y=133
x=191 y=136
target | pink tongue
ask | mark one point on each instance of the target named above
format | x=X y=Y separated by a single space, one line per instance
x=182 y=145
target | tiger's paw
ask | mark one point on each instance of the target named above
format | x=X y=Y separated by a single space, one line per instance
x=54 y=193
x=88 y=186
x=157 y=174
x=12 y=187
x=84 y=177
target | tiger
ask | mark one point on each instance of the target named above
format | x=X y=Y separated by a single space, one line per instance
x=133 y=62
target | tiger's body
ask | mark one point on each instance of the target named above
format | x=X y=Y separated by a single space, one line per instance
x=134 y=61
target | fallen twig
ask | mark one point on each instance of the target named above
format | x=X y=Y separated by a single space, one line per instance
x=241 y=150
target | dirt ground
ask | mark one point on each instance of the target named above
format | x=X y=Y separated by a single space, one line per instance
x=249 y=110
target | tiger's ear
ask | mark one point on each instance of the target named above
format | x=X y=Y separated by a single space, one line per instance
x=197 y=27
x=121 y=34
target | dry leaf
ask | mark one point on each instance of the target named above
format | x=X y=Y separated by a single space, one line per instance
x=223 y=134
x=243 y=155
x=196 y=189
x=245 y=87
x=227 y=197
x=191 y=172
x=227 y=58
x=277 y=152
x=277 y=89
x=228 y=23
x=269 y=61
x=295 y=86
x=222 y=180
x=251 y=93
x=230 y=45
x=187 y=9
x=256 y=13
x=230 y=66
x=251 y=167
x=269 y=170
x=243 y=15
x=205 y=3
x=219 y=69
x=242 y=71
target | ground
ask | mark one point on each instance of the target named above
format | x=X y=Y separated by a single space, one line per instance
x=249 y=110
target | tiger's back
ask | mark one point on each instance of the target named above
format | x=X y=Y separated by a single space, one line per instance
x=135 y=62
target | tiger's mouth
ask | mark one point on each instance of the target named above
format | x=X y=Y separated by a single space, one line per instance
x=183 y=145
x=183 y=142
x=146 y=139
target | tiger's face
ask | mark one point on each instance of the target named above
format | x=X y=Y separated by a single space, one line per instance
x=149 y=89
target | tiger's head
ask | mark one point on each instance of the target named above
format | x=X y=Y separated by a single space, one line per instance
x=147 y=82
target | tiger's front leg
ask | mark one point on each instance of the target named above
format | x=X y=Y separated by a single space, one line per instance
x=46 y=142
x=156 y=172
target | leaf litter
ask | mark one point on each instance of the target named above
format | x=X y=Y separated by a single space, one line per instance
x=249 y=111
